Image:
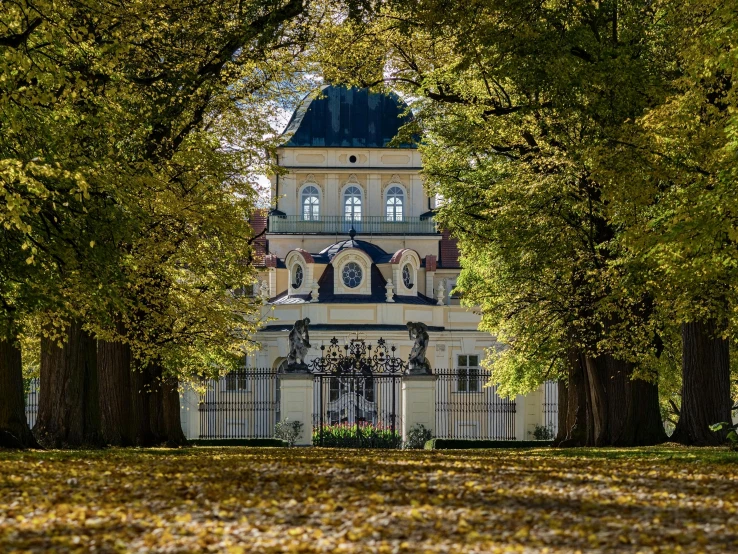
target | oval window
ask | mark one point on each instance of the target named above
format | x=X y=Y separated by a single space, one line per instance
x=352 y=275
x=298 y=277
x=407 y=276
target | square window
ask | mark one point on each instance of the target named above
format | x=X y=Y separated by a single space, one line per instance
x=468 y=376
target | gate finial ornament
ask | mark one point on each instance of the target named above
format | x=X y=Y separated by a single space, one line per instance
x=417 y=363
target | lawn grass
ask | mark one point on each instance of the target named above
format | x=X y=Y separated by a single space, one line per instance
x=237 y=499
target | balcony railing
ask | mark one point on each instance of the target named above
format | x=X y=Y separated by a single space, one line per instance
x=337 y=225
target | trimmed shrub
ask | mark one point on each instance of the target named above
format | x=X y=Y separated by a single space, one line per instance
x=462 y=444
x=237 y=442
x=417 y=436
x=543 y=433
x=361 y=435
x=288 y=431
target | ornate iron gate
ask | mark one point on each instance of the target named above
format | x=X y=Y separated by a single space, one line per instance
x=357 y=395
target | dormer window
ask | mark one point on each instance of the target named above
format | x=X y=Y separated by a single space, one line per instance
x=405 y=266
x=300 y=265
x=395 y=203
x=310 y=203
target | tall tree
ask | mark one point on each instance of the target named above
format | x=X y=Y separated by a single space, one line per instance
x=158 y=203
x=514 y=99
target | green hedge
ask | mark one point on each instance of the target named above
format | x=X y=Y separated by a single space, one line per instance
x=462 y=444
x=238 y=442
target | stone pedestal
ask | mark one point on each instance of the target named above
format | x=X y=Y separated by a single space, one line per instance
x=528 y=414
x=297 y=403
x=190 y=413
x=418 y=402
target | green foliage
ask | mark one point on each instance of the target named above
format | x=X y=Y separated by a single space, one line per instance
x=417 y=436
x=543 y=433
x=128 y=169
x=729 y=430
x=361 y=435
x=288 y=431
x=585 y=155
x=474 y=444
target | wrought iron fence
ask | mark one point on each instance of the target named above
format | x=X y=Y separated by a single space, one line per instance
x=367 y=225
x=31 y=388
x=242 y=405
x=551 y=406
x=466 y=408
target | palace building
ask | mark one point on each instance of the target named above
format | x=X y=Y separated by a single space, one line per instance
x=352 y=246
x=351 y=243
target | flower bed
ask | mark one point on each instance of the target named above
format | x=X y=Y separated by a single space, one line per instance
x=361 y=435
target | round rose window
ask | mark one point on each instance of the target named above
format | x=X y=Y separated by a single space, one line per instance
x=352 y=275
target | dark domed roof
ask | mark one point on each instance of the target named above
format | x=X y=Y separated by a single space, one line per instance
x=346 y=117
x=377 y=255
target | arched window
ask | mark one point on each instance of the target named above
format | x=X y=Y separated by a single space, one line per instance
x=352 y=203
x=395 y=203
x=310 y=203
x=407 y=276
x=297 y=276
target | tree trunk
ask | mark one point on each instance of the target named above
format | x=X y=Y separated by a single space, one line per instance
x=172 y=421
x=156 y=404
x=140 y=407
x=68 y=411
x=617 y=389
x=164 y=408
x=114 y=370
x=644 y=423
x=705 y=384
x=563 y=415
x=596 y=372
x=577 y=418
x=14 y=430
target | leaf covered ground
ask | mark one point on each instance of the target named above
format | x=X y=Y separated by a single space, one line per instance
x=234 y=499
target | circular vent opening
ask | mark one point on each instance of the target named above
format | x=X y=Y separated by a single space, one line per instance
x=352 y=159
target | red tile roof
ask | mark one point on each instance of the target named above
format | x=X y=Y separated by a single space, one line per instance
x=395 y=259
x=307 y=256
x=258 y=222
x=448 y=251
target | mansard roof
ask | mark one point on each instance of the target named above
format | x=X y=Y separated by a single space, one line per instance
x=335 y=116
